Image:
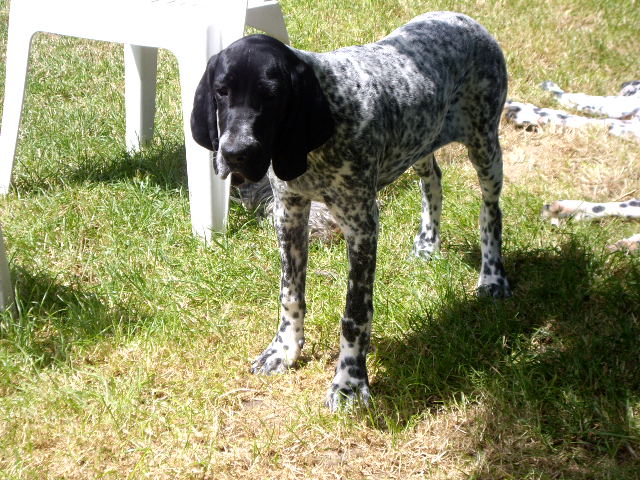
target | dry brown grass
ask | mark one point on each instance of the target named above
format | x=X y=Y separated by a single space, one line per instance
x=253 y=431
x=567 y=163
x=558 y=163
x=176 y=417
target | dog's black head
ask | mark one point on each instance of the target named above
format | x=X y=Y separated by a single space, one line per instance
x=258 y=103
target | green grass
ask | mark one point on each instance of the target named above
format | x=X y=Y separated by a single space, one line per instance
x=130 y=353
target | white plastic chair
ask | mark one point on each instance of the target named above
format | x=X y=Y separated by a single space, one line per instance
x=192 y=30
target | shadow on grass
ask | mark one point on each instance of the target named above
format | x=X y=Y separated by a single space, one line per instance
x=161 y=164
x=54 y=319
x=559 y=361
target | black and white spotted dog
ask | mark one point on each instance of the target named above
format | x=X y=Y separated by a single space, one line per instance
x=336 y=128
x=620 y=114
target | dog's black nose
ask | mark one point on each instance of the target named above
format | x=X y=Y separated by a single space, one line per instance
x=233 y=156
x=237 y=153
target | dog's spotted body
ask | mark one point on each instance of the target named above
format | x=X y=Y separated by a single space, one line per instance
x=620 y=114
x=335 y=128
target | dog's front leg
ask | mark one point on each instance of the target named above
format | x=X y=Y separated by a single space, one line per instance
x=351 y=382
x=291 y=215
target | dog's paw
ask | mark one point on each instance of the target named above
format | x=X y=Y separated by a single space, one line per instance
x=493 y=280
x=426 y=249
x=276 y=358
x=494 y=290
x=568 y=209
x=348 y=397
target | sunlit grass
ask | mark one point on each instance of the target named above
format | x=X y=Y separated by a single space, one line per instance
x=130 y=355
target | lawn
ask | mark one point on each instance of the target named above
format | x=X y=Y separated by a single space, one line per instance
x=129 y=356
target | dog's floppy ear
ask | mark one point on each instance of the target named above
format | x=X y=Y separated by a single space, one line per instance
x=204 y=126
x=307 y=124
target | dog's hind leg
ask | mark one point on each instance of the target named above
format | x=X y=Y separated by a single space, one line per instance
x=427 y=241
x=486 y=156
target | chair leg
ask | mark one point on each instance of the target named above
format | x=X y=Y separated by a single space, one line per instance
x=6 y=287
x=140 y=72
x=18 y=46
x=208 y=193
x=267 y=17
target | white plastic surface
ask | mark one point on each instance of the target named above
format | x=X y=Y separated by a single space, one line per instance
x=6 y=288
x=192 y=30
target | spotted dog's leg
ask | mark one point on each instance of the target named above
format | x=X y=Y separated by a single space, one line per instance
x=351 y=382
x=611 y=106
x=291 y=214
x=486 y=156
x=574 y=209
x=581 y=210
x=427 y=241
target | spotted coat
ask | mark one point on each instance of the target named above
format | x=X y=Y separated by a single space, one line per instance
x=379 y=109
x=620 y=114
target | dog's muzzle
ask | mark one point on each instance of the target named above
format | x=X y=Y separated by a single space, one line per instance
x=243 y=158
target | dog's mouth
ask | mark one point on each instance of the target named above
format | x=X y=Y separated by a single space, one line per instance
x=237 y=179
x=249 y=171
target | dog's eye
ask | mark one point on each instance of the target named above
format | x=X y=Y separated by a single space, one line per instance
x=222 y=91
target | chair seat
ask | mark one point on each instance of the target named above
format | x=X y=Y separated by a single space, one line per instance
x=152 y=23
x=192 y=30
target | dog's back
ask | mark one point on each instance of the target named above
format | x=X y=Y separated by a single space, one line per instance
x=438 y=79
